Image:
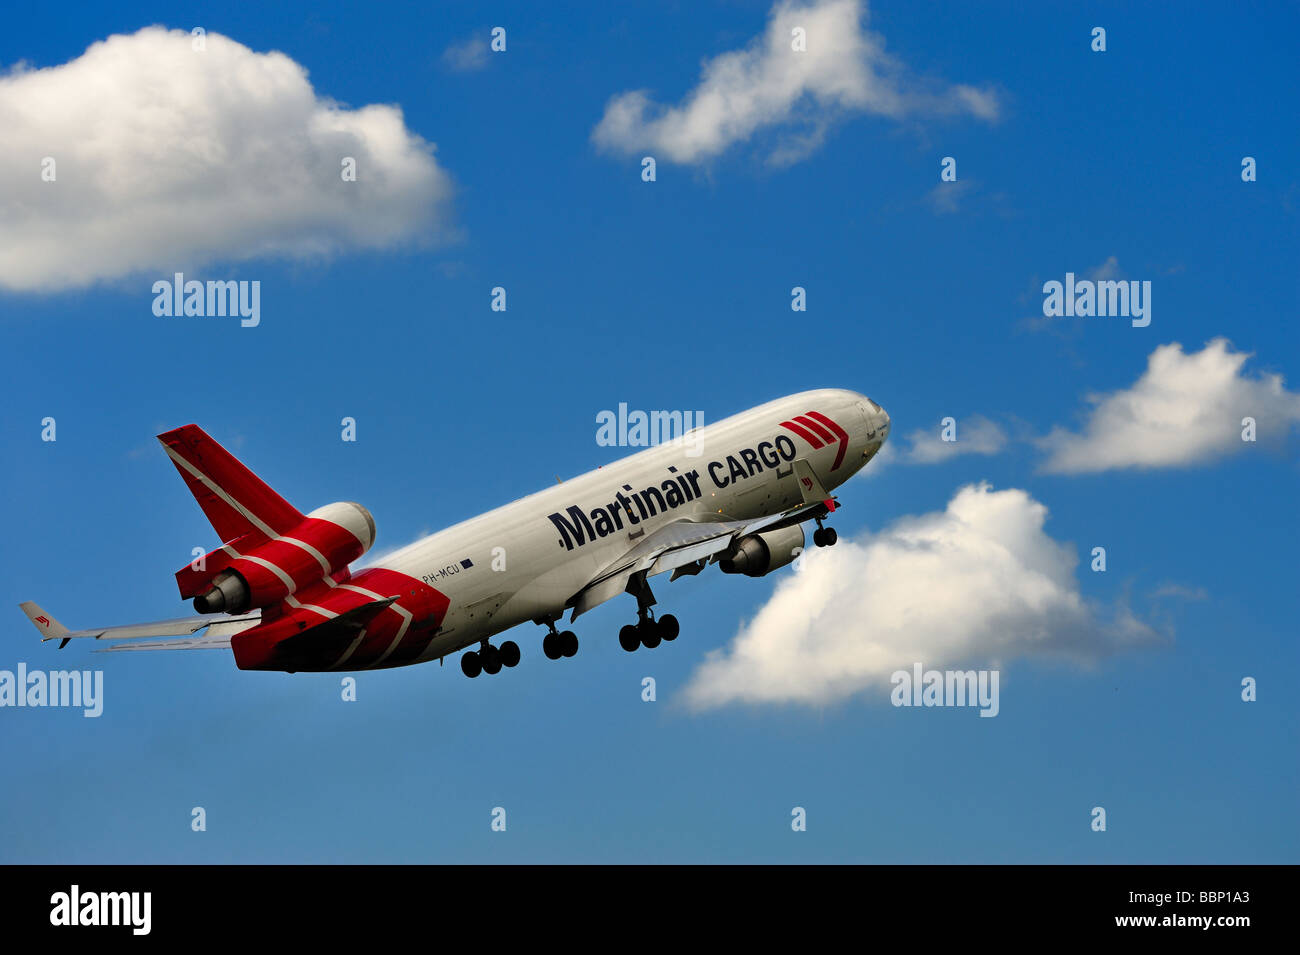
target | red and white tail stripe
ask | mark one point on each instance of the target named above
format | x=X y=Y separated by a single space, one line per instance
x=234 y=499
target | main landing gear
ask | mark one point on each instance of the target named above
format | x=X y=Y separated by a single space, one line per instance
x=824 y=536
x=647 y=631
x=489 y=659
x=556 y=645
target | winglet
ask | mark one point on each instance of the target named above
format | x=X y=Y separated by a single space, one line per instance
x=50 y=628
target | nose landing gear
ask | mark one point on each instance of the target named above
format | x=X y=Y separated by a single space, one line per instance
x=824 y=536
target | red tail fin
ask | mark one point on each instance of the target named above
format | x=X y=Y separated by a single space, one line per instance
x=233 y=498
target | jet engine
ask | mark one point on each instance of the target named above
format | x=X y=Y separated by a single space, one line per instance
x=757 y=554
x=322 y=544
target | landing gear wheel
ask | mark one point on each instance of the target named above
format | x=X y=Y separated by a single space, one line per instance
x=668 y=628
x=509 y=653
x=551 y=646
x=568 y=643
x=649 y=632
x=829 y=536
x=470 y=664
x=491 y=660
x=629 y=639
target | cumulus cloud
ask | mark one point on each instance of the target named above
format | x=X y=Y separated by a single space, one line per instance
x=975 y=434
x=844 y=70
x=980 y=583
x=1185 y=409
x=167 y=157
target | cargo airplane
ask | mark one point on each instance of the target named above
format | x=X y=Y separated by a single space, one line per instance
x=280 y=595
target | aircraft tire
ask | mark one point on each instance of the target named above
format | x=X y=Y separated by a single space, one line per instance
x=470 y=664
x=650 y=634
x=629 y=639
x=510 y=654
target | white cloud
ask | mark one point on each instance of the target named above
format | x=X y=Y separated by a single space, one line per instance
x=168 y=158
x=1107 y=271
x=844 y=70
x=946 y=197
x=1185 y=409
x=975 y=434
x=980 y=583
x=467 y=56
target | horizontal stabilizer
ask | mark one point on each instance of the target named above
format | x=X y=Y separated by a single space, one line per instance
x=218 y=625
x=347 y=623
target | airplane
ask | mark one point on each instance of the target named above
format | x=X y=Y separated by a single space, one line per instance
x=280 y=594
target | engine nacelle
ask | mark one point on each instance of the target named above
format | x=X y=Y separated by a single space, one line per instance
x=324 y=543
x=757 y=554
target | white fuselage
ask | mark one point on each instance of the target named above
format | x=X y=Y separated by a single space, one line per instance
x=527 y=559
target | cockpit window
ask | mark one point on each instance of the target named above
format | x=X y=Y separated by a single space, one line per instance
x=874 y=406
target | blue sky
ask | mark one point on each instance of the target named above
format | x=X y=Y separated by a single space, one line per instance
x=676 y=294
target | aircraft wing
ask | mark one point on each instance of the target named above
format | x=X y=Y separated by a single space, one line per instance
x=220 y=628
x=685 y=542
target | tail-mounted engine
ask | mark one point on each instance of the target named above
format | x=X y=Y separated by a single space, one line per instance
x=255 y=570
x=315 y=614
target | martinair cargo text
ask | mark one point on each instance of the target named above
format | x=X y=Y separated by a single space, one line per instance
x=279 y=592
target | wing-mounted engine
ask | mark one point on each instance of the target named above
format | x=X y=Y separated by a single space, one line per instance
x=758 y=554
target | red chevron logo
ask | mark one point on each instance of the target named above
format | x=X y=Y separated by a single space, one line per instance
x=819 y=430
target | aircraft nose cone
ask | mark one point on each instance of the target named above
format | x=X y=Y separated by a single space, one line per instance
x=875 y=421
